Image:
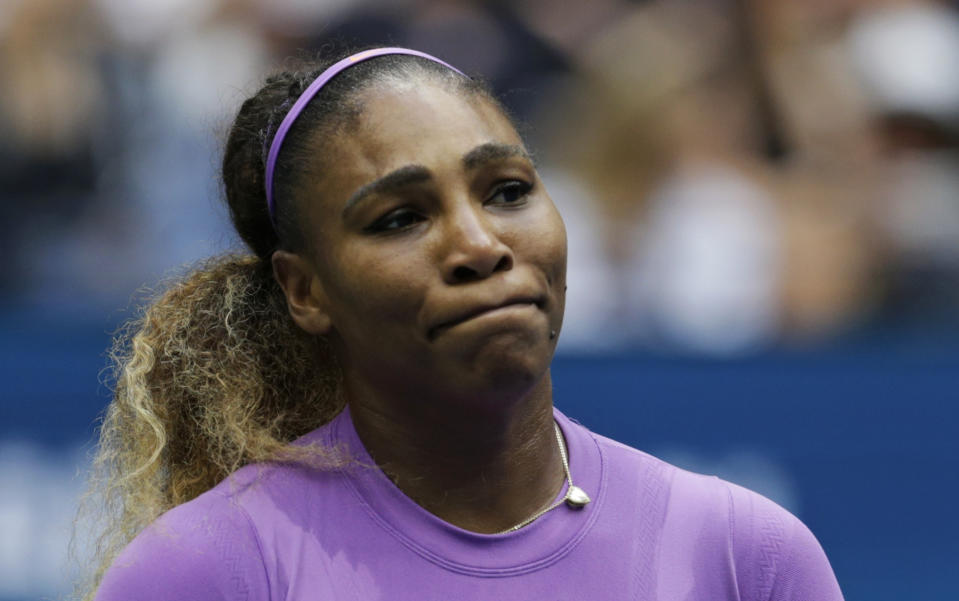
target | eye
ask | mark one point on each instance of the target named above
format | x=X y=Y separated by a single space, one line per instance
x=394 y=221
x=511 y=193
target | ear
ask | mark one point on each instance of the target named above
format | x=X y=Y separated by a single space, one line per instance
x=304 y=292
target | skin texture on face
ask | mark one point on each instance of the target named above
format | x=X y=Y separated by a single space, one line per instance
x=439 y=258
x=437 y=269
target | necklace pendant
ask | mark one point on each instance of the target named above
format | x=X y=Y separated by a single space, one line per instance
x=576 y=497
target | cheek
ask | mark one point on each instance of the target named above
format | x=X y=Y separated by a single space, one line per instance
x=373 y=289
x=548 y=239
x=560 y=242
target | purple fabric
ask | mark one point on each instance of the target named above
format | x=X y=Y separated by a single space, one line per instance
x=653 y=532
x=308 y=95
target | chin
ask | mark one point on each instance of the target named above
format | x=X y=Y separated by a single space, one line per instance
x=507 y=367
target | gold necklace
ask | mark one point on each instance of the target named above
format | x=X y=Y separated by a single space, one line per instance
x=575 y=496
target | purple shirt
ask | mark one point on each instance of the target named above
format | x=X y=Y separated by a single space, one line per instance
x=652 y=532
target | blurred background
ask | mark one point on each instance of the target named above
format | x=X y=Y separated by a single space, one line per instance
x=762 y=199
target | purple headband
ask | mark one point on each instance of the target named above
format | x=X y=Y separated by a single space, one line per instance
x=308 y=95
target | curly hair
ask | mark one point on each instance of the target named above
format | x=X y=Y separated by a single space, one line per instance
x=214 y=374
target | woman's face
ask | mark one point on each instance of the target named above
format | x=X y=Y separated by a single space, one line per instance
x=439 y=259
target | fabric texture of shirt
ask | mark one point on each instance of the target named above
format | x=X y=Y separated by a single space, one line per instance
x=653 y=532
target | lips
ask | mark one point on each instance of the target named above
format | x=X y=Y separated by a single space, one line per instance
x=466 y=313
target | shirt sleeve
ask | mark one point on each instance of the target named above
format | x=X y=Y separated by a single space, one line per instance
x=777 y=557
x=202 y=551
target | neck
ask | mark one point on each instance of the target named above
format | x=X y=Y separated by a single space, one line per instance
x=481 y=470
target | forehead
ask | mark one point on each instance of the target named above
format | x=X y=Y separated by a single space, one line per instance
x=411 y=124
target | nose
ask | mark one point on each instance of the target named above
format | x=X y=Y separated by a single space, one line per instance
x=474 y=250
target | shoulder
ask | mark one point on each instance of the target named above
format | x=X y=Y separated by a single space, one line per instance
x=206 y=549
x=775 y=552
x=770 y=554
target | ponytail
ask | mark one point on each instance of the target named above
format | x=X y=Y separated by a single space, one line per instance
x=212 y=376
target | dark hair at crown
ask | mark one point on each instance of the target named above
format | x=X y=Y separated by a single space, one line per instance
x=335 y=106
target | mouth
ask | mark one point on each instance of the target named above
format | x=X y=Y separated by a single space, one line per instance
x=482 y=309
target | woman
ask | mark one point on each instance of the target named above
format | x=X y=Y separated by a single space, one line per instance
x=398 y=320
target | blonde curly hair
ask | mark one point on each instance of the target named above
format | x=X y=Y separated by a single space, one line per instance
x=212 y=376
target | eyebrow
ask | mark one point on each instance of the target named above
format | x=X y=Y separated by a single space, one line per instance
x=417 y=174
x=490 y=152
x=394 y=180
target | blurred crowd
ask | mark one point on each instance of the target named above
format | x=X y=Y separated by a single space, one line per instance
x=734 y=174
